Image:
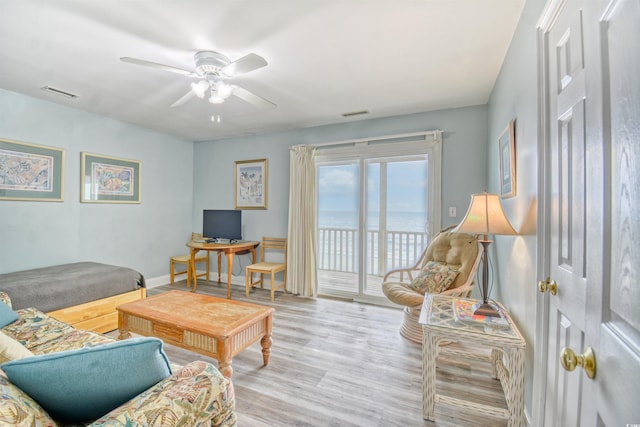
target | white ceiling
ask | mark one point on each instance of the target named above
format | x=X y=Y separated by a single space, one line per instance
x=326 y=57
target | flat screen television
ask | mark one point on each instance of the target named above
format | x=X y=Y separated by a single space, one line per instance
x=222 y=224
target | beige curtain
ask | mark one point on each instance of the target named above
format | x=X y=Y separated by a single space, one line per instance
x=301 y=258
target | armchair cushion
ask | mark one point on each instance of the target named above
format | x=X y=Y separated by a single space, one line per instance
x=435 y=278
x=11 y=349
x=79 y=385
x=403 y=294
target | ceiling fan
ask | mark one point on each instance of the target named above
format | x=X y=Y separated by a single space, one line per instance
x=212 y=69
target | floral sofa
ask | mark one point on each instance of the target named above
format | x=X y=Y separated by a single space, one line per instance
x=193 y=395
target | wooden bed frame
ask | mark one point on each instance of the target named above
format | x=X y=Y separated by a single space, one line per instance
x=99 y=315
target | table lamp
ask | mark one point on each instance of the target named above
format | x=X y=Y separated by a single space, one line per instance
x=485 y=216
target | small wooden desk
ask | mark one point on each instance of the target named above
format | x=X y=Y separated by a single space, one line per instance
x=507 y=358
x=229 y=249
x=212 y=326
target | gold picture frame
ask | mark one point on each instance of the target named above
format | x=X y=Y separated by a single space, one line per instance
x=105 y=179
x=251 y=184
x=507 y=148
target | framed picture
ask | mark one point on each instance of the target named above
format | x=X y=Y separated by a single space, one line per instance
x=507 y=147
x=31 y=172
x=109 y=179
x=251 y=184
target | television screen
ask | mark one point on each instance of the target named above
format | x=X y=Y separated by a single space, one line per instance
x=222 y=224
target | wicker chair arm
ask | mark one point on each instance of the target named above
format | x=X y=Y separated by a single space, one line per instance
x=409 y=271
x=398 y=275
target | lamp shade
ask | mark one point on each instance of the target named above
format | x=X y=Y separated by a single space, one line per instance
x=485 y=216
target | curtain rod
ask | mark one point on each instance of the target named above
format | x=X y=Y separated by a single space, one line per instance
x=377 y=138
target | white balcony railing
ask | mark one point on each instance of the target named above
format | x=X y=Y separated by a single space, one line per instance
x=386 y=250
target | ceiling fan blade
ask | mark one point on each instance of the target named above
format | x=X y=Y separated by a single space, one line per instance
x=252 y=98
x=243 y=65
x=159 y=66
x=183 y=99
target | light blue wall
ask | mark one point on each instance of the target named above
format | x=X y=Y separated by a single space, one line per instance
x=180 y=179
x=515 y=96
x=463 y=163
x=142 y=236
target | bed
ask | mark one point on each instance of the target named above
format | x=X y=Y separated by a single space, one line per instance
x=84 y=294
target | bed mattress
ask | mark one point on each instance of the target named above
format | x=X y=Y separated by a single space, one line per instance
x=61 y=286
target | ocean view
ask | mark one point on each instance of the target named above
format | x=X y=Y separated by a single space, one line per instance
x=396 y=221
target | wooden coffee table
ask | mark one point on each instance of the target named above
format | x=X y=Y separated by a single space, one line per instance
x=216 y=327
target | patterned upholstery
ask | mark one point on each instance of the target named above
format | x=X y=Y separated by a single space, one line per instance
x=43 y=334
x=18 y=409
x=198 y=383
x=195 y=395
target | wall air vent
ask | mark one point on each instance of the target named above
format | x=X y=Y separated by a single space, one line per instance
x=355 y=113
x=59 y=91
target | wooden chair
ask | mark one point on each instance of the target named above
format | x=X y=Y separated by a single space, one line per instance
x=202 y=256
x=271 y=268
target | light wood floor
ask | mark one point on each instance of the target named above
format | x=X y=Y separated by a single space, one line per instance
x=340 y=364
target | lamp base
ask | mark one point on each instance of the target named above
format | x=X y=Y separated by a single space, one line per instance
x=485 y=309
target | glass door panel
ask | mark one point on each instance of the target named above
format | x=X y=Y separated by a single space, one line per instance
x=396 y=218
x=338 y=229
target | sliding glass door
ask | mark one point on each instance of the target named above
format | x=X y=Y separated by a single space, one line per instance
x=374 y=214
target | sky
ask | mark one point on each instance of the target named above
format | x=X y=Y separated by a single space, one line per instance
x=338 y=188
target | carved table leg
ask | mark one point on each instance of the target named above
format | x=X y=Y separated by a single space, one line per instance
x=123 y=334
x=224 y=351
x=266 y=348
x=225 y=368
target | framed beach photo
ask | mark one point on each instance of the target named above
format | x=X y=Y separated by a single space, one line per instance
x=251 y=184
x=109 y=179
x=31 y=172
x=507 y=148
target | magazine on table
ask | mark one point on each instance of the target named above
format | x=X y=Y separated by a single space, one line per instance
x=463 y=311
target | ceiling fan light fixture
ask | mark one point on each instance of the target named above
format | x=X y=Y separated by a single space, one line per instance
x=224 y=90
x=216 y=99
x=200 y=88
x=211 y=68
x=209 y=62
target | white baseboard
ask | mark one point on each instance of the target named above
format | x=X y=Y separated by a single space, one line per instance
x=154 y=282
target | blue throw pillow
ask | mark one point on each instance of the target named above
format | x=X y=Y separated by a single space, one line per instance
x=81 y=385
x=6 y=315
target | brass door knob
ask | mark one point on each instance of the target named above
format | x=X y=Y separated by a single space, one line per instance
x=586 y=361
x=548 y=285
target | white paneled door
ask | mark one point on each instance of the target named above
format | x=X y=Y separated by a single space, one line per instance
x=591 y=66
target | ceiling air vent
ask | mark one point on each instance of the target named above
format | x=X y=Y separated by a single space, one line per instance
x=59 y=91
x=355 y=113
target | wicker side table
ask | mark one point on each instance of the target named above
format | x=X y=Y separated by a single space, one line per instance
x=507 y=358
